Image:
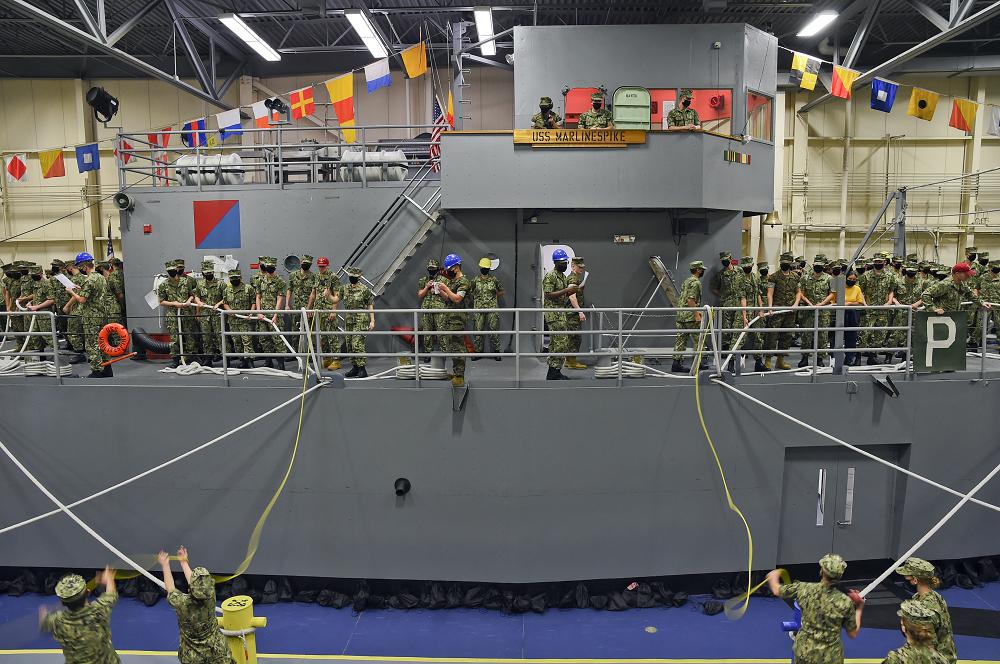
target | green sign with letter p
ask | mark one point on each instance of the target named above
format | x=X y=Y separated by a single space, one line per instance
x=939 y=341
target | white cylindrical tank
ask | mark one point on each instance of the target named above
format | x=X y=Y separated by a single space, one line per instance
x=379 y=166
x=209 y=170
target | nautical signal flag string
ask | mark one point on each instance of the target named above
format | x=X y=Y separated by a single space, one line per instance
x=341 y=90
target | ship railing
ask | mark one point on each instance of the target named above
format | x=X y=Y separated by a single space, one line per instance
x=16 y=359
x=283 y=155
x=620 y=341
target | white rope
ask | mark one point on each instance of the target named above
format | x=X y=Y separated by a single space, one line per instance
x=195 y=368
x=860 y=451
x=930 y=533
x=64 y=509
x=165 y=464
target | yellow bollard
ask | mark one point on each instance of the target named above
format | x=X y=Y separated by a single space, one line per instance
x=239 y=624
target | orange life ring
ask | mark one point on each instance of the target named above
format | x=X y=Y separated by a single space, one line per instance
x=105 y=345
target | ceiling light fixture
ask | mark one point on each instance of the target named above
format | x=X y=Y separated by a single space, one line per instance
x=818 y=22
x=367 y=32
x=252 y=39
x=484 y=29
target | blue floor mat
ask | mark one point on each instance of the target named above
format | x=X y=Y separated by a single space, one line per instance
x=565 y=634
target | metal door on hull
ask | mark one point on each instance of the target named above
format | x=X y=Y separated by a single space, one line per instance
x=834 y=499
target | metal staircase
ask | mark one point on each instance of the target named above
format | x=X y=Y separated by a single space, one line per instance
x=406 y=198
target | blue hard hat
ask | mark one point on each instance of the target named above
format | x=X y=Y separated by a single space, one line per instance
x=559 y=255
x=83 y=258
x=451 y=260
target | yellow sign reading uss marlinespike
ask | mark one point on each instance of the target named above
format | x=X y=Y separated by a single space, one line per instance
x=579 y=138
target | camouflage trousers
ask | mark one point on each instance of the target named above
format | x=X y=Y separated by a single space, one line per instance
x=573 y=324
x=558 y=343
x=92 y=324
x=731 y=320
x=487 y=321
x=875 y=335
x=973 y=318
x=804 y=322
x=38 y=342
x=330 y=344
x=74 y=332
x=428 y=323
x=808 y=336
x=209 y=325
x=191 y=332
x=780 y=340
x=356 y=342
x=173 y=329
x=453 y=343
x=115 y=314
x=241 y=343
x=808 y=651
x=270 y=343
x=984 y=318
x=681 y=342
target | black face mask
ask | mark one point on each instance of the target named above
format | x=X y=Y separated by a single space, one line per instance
x=877 y=266
x=686 y=103
x=545 y=109
x=55 y=270
x=970 y=257
x=763 y=273
x=432 y=271
x=36 y=277
x=852 y=281
x=269 y=269
x=306 y=266
x=926 y=270
x=818 y=268
x=836 y=271
x=802 y=265
x=785 y=267
x=561 y=266
x=747 y=269
x=235 y=281
x=597 y=105
x=725 y=262
x=984 y=261
x=171 y=273
x=209 y=276
x=995 y=270
x=451 y=274
x=484 y=271
x=911 y=273
x=23 y=273
x=861 y=270
x=353 y=280
x=12 y=275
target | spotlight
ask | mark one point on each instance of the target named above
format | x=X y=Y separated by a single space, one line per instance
x=104 y=104
x=276 y=105
x=402 y=486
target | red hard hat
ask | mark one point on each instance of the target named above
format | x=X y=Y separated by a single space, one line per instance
x=323 y=261
x=961 y=267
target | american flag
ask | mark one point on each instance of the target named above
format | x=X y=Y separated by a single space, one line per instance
x=440 y=124
x=111 y=247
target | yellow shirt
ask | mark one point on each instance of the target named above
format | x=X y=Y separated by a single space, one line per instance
x=852 y=295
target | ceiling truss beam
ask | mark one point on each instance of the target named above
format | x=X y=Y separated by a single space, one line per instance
x=89 y=20
x=127 y=26
x=207 y=84
x=939 y=22
x=861 y=36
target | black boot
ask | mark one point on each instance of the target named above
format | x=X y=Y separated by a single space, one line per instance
x=97 y=374
x=476 y=358
x=269 y=363
x=353 y=372
x=245 y=363
x=872 y=360
x=362 y=372
x=804 y=362
x=758 y=365
x=888 y=358
x=555 y=374
x=174 y=362
x=207 y=361
x=820 y=362
x=108 y=373
x=678 y=367
x=279 y=363
x=901 y=354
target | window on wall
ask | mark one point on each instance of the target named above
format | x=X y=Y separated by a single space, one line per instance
x=760 y=117
x=714 y=106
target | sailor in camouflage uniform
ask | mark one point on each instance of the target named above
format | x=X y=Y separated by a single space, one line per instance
x=15 y=282
x=89 y=300
x=575 y=319
x=486 y=293
x=208 y=296
x=546 y=118
x=730 y=293
x=189 y=319
x=358 y=296
x=74 y=324
x=117 y=284
x=454 y=288
x=111 y=306
x=327 y=281
x=430 y=299
x=39 y=298
x=83 y=628
x=200 y=641
x=556 y=290
x=596 y=117
x=949 y=293
x=60 y=295
x=815 y=289
x=684 y=118
x=921 y=574
x=916 y=622
x=908 y=291
x=270 y=297
x=173 y=296
x=878 y=286
x=690 y=318
x=989 y=291
x=239 y=296
x=825 y=611
x=755 y=289
x=300 y=295
x=782 y=293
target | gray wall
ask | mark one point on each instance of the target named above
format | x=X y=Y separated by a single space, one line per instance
x=523 y=485
x=671 y=170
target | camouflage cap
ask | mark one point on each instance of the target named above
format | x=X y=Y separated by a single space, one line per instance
x=354 y=271
x=578 y=260
x=545 y=101
x=71 y=587
x=787 y=256
x=912 y=257
x=208 y=266
x=261 y=259
x=995 y=262
x=910 y=266
x=764 y=265
x=971 y=250
x=725 y=254
x=942 y=271
x=597 y=96
x=819 y=257
x=897 y=259
x=696 y=264
x=832 y=565
x=202 y=584
x=235 y=272
x=820 y=262
x=434 y=263
x=199 y=571
x=57 y=262
x=686 y=93
x=37 y=269
x=103 y=265
x=170 y=265
x=983 y=254
x=117 y=262
x=746 y=260
x=179 y=262
x=917 y=567
x=306 y=258
x=269 y=261
x=912 y=610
